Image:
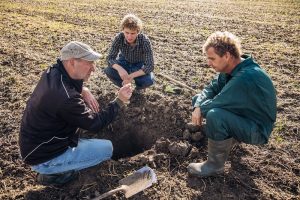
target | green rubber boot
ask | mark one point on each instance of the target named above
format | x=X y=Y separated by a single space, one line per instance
x=218 y=152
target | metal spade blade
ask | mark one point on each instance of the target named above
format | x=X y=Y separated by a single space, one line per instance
x=133 y=184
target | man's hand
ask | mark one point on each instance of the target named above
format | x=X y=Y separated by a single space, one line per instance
x=197 y=117
x=133 y=76
x=128 y=80
x=90 y=100
x=125 y=93
x=121 y=71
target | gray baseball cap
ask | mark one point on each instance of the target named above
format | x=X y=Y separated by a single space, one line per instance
x=80 y=50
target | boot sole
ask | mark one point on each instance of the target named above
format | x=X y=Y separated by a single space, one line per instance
x=217 y=173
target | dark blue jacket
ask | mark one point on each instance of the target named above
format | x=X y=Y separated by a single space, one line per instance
x=53 y=113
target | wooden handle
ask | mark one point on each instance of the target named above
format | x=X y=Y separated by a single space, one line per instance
x=109 y=193
x=177 y=82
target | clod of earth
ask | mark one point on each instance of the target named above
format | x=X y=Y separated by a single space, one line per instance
x=180 y=148
x=192 y=127
x=197 y=136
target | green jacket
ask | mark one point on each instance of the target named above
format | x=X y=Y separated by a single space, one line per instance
x=248 y=92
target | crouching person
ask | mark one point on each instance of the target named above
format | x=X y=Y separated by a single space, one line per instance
x=240 y=104
x=131 y=57
x=58 y=109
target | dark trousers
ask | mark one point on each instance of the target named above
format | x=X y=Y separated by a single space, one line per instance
x=141 y=82
x=222 y=124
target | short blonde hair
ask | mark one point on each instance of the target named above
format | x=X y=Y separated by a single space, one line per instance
x=223 y=42
x=132 y=22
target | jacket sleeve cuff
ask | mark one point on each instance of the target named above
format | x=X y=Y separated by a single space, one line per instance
x=112 y=62
x=119 y=102
x=147 y=70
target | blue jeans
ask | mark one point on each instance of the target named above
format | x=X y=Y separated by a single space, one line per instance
x=89 y=152
x=141 y=82
x=222 y=124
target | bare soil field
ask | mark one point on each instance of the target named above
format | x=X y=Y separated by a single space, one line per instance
x=151 y=130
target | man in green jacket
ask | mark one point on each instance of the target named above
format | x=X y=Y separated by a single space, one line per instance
x=240 y=104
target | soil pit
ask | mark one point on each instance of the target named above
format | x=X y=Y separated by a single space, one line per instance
x=140 y=124
x=129 y=144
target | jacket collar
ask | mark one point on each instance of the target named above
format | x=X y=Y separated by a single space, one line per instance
x=77 y=84
x=247 y=61
x=136 y=40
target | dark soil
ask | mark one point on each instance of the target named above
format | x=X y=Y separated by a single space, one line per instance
x=152 y=130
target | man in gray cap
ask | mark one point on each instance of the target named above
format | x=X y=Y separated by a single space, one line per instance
x=58 y=108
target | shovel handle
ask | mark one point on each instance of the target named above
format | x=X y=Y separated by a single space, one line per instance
x=109 y=193
x=177 y=82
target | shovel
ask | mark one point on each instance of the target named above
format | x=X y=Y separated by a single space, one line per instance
x=133 y=184
x=177 y=82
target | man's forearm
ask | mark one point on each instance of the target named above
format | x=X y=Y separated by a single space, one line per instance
x=116 y=67
x=137 y=73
